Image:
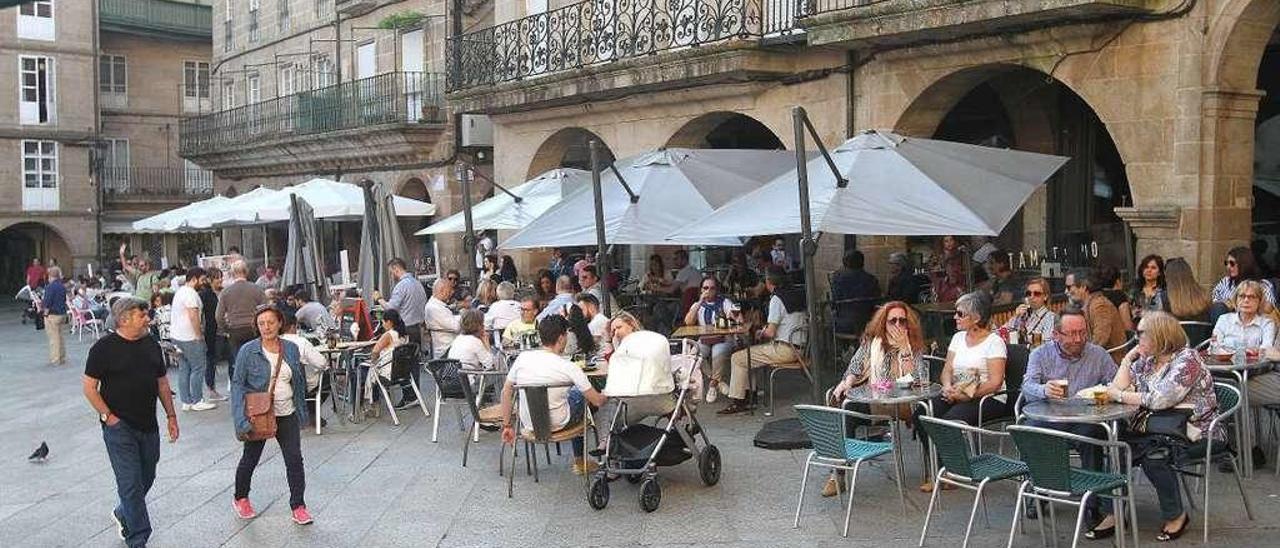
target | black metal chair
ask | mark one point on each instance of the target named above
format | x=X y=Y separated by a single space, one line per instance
x=445 y=374
x=489 y=416
x=537 y=401
x=1015 y=369
x=404 y=360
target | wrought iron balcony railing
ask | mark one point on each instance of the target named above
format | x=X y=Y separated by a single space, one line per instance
x=157 y=16
x=155 y=182
x=594 y=32
x=393 y=97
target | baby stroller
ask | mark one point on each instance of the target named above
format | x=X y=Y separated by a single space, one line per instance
x=32 y=310
x=636 y=451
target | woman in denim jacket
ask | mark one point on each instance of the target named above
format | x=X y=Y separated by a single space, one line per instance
x=253 y=370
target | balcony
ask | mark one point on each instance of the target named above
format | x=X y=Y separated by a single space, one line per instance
x=601 y=48
x=381 y=121
x=160 y=18
x=900 y=23
x=132 y=184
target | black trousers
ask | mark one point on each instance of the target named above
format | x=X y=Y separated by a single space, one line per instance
x=414 y=334
x=289 y=436
x=966 y=412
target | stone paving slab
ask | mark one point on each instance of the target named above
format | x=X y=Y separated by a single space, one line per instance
x=375 y=484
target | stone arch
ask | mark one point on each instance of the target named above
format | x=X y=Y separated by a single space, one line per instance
x=1237 y=37
x=567 y=148
x=725 y=129
x=414 y=188
x=22 y=241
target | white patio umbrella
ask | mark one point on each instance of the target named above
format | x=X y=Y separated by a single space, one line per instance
x=504 y=212
x=646 y=195
x=896 y=186
x=330 y=200
x=226 y=213
x=176 y=219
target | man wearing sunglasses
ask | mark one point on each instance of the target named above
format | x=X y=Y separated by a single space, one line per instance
x=1033 y=315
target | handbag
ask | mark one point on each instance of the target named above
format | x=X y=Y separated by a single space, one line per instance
x=1166 y=422
x=259 y=407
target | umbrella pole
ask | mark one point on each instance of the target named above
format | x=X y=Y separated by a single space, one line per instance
x=602 y=257
x=464 y=178
x=807 y=250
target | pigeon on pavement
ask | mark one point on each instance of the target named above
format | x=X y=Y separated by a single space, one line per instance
x=40 y=455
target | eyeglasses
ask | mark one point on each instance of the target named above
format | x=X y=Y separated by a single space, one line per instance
x=1073 y=334
x=1249 y=296
x=1035 y=293
x=897 y=321
x=523 y=309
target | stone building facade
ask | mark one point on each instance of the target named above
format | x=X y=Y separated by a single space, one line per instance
x=344 y=90
x=89 y=133
x=1157 y=102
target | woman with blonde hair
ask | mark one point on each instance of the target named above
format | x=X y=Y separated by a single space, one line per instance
x=1165 y=374
x=487 y=292
x=1185 y=298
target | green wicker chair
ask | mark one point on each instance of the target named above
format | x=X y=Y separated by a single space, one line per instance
x=958 y=466
x=1052 y=478
x=831 y=449
x=1205 y=454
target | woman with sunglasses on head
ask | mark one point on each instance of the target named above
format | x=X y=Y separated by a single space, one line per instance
x=715 y=351
x=892 y=347
x=1240 y=267
x=974 y=368
x=1033 y=316
x=258 y=362
x=1149 y=288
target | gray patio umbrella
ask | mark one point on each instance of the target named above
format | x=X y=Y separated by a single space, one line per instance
x=380 y=240
x=304 y=262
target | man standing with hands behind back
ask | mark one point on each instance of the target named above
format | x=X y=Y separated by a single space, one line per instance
x=123 y=376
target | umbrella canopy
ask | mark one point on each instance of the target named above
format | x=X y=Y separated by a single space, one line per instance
x=330 y=200
x=502 y=212
x=671 y=186
x=176 y=219
x=380 y=241
x=304 y=260
x=218 y=214
x=900 y=186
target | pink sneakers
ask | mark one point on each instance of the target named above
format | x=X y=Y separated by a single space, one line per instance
x=244 y=509
x=301 y=516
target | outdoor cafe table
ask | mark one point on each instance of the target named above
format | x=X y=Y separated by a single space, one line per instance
x=344 y=350
x=894 y=395
x=1244 y=433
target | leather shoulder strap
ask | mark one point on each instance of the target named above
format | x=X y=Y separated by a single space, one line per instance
x=275 y=373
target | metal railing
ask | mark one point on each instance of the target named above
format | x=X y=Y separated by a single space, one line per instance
x=134 y=181
x=393 y=97
x=158 y=15
x=594 y=32
x=814 y=7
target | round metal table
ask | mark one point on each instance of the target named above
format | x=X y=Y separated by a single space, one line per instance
x=1241 y=371
x=894 y=395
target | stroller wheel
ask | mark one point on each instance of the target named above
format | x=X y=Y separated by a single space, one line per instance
x=709 y=465
x=650 y=494
x=598 y=492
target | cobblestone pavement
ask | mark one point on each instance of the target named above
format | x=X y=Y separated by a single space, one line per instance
x=375 y=484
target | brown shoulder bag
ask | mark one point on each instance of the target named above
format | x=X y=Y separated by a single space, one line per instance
x=259 y=407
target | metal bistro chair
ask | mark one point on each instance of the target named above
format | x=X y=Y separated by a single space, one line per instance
x=539 y=431
x=448 y=391
x=481 y=417
x=1052 y=478
x=1126 y=345
x=1015 y=370
x=1206 y=453
x=318 y=398
x=404 y=359
x=1198 y=333
x=831 y=449
x=959 y=467
x=799 y=340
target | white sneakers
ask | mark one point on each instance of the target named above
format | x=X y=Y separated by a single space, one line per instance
x=199 y=406
x=712 y=392
x=213 y=395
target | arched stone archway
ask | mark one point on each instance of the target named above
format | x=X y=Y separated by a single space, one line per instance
x=414 y=188
x=1008 y=105
x=22 y=241
x=567 y=147
x=724 y=129
x=1239 y=36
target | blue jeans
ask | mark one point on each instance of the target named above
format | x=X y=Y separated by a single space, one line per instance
x=191 y=371
x=133 y=454
x=577 y=406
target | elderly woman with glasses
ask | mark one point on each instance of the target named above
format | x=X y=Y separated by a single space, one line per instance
x=1033 y=316
x=264 y=360
x=715 y=351
x=1165 y=375
x=1251 y=327
x=974 y=368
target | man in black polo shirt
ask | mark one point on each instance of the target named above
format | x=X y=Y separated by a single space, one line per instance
x=123 y=376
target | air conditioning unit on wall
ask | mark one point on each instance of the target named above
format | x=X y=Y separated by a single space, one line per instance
x=477 y=130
